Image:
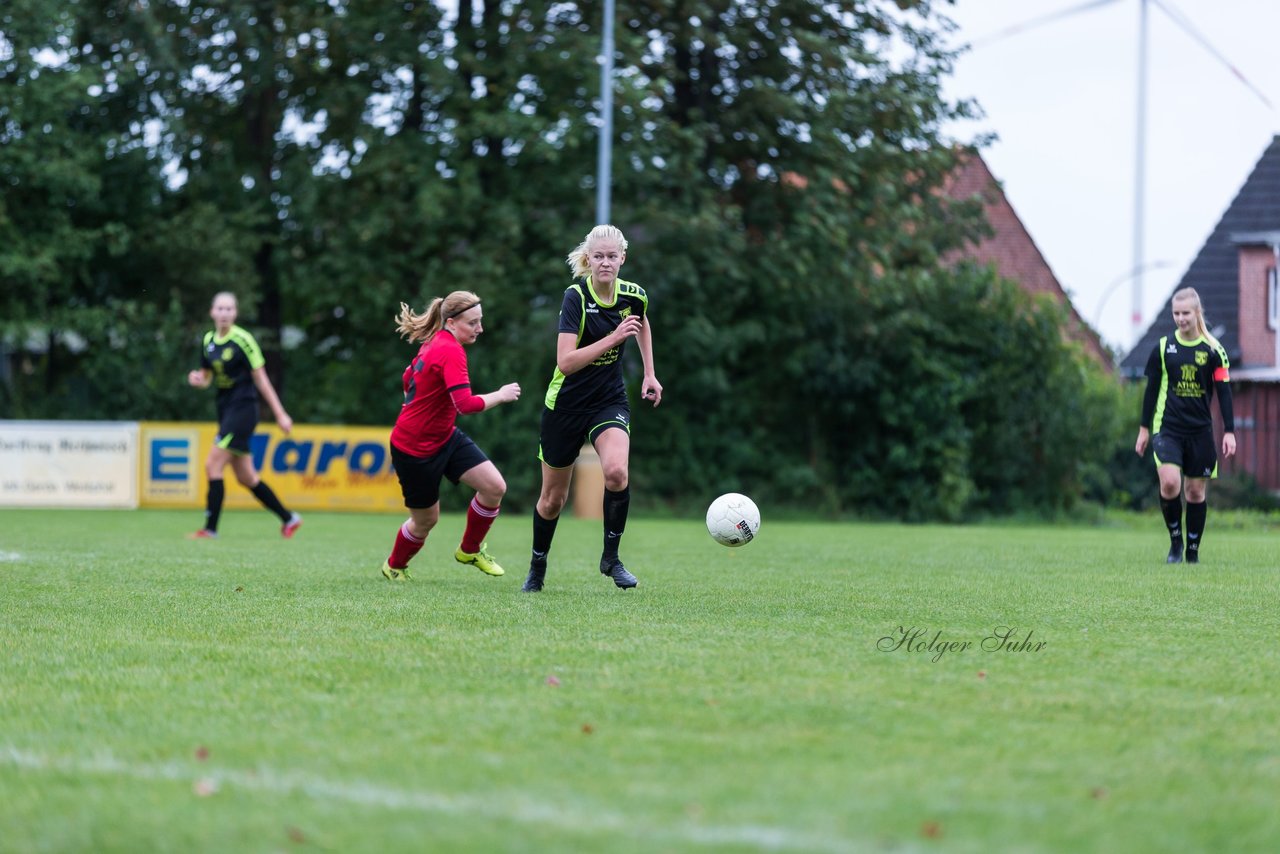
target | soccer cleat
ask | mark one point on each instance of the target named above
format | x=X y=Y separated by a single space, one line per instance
x=537 y=573
x=291 y=527
x=481 y=560
x=203 y=534
x=1193 y=555
x=392 y=573
x=1175 y=552
x=613 y=568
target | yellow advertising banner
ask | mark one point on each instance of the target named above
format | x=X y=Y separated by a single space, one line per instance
x=314 y=467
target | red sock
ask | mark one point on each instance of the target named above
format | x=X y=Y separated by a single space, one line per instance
x=407 y=545
x=479 y=521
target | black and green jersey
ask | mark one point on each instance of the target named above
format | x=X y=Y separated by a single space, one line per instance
x=1181 y=379
x=582 y=313
x=233 y=360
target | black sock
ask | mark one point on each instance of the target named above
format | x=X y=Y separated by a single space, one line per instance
x=543 y=531
x=1196 y=514
x=268 y=498
x=1172 y=509
x=213 y=505
x=616 y=505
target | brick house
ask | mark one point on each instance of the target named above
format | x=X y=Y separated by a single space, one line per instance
x=1012 y=251
x=1235 y=275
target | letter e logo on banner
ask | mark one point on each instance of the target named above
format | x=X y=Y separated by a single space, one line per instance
x=170 y=459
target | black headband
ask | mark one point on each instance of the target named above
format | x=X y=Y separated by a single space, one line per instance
x=454 y=314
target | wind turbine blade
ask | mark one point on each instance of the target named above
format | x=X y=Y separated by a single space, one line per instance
x=1182 y=21
x=1035 y=22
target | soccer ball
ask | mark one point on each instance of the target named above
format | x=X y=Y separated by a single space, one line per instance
x=733 y=520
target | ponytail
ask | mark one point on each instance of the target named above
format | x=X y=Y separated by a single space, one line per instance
x=423 y=327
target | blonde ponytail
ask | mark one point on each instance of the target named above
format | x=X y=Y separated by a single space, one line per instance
x=423 y=327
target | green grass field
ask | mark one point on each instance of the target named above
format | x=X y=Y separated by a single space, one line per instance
x=256 y=694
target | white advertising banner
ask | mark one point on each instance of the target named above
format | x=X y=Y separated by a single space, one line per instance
x=68 y=464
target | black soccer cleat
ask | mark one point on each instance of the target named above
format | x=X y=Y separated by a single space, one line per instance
x=613 y=568
x=537 y=572
x=1175 y=552
x=1193 y=555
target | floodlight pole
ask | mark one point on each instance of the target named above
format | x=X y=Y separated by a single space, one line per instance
x=1140 y=177
x=604 y=175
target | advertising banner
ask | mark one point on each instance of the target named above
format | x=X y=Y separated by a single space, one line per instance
x=68 y=464
x=314 y=467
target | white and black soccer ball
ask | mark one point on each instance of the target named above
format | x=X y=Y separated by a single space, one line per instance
x=733 y=520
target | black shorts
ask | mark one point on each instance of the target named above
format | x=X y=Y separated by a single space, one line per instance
x=420 y=476
x=563 y=433
x=236 y=424
x=1196 y=455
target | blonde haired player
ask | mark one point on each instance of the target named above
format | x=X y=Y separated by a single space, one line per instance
x=587 y=399
x=1184 y=372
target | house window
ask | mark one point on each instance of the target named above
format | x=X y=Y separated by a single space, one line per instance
x=1273 y=300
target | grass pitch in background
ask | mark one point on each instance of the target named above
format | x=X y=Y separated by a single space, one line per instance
x=256 y=694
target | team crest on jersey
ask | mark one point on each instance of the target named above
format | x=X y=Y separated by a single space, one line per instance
x=623 y=313
x=1202 y=358
x=227 y=355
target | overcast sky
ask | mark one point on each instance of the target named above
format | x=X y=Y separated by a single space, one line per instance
x=1062 y=97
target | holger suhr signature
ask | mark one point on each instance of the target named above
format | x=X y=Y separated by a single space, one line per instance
x=1001 y=639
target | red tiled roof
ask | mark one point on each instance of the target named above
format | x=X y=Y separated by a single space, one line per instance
x=1010 y=247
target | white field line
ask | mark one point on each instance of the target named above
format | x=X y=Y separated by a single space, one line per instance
x=9 y=557
x=366 y=793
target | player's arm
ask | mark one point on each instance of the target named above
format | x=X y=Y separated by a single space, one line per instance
x=1222 y=386
x=570 y=358
x=650 y=388
x=509 y=393
x=469 y=404
x=268 y=392
x=199 y=378
x=1149 y=401
x=457 y=381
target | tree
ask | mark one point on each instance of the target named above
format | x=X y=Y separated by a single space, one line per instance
x=777 y=168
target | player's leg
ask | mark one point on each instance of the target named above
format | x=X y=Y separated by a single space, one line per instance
x=214 y=465
x=1197 y=512
x=559 y=440
x=613 y=444
x=1168 y=453
x=420 y=484
x=546 y=515
x=247 y=476
x=1171 y=507
x=490 y=486
x=1202 y=460
x=409 y=541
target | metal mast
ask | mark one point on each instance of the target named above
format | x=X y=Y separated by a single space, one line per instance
x=1140 y=179
x=604 y=175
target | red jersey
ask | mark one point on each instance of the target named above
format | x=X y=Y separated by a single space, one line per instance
x=436 y=390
